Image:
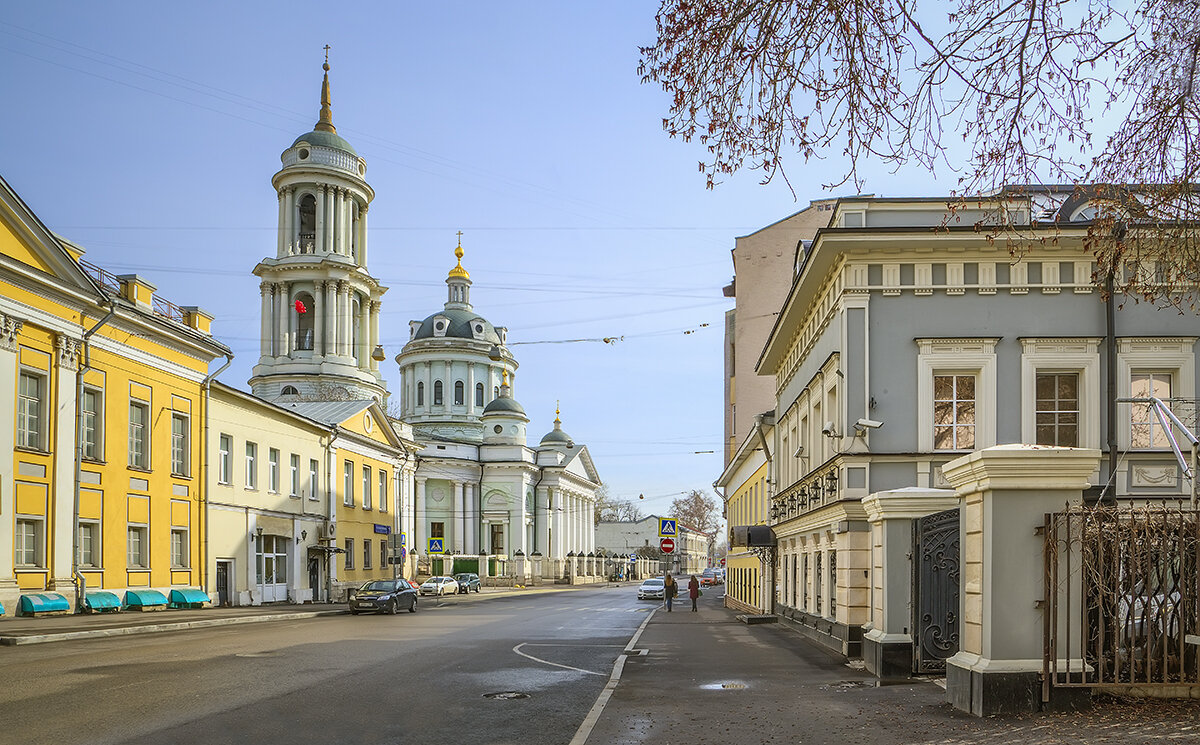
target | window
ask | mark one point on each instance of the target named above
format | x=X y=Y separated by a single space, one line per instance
x=139 y=444
x=366 y=553
x=437 y=393
x=136 y=547
x=303 y=308
x=383 y=553
x=179 y=445
x=251 y=465
x=179 y=547
x=294 y=473
x=1056 y=415
x=458 y=393
x=349 y=554
x=27 y=543
x=314 y=469
x=437 y=530
x=953 y=412
x=479 y=394
x=225 y=463
x=273 y=470
x=89 y=543
x=366 y=478
x=348 y=483
x=420 y=394
x=495 y=391
x=1145 y=429
x=383 y=492
x=91 y=424
x=31 y=396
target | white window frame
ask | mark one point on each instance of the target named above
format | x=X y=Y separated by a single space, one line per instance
x=225 y=459
x=368 y=474
x=383 y=493
x=314 y=479
x=93 y=446
x=143 y=532
x=273 y=470
x=139 y=440
x=38 y=523
x=1056 y=356
x=251 y=465
x=33 y=438
x=180 y=560
x=97 y=557
x=975 y=356
x=181 y=445
x=294 y=474
x=1174 y=355
x=348 y=483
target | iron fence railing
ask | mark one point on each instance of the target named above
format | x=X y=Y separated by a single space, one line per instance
x=1121 y=596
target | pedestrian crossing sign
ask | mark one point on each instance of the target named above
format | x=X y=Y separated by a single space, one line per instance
x=666 y=527
x=435 y=546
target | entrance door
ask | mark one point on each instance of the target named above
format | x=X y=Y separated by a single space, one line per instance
x=224 y=572
x=272 y=567
x=314 y=577
x=935 y=590
x=497 y=538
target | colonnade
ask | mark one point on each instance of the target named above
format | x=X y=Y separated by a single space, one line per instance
x=340 y=225
x=450 y=372
x=334 y=321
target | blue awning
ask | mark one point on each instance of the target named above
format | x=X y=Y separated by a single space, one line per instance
x=101 y=600
x=42 y=602
x=145 y=599
x=188 y=597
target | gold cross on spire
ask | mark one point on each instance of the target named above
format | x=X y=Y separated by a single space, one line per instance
x=327 y=54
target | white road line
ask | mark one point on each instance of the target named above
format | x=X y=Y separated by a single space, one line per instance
x=593 y=716
x=517 y=649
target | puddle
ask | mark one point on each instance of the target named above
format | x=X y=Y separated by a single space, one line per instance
x=504 y=695
x=724 y=687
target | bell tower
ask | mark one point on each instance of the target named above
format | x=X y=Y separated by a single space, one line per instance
x=320 y=304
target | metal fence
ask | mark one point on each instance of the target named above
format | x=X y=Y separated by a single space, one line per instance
x=1121 y=596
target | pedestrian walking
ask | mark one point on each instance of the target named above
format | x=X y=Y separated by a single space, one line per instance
x=669 y=590
x=694 y=591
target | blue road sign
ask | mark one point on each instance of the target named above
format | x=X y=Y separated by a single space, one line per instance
x=435 y=546
x=666 y=527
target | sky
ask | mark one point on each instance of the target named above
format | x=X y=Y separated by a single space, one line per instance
x=149 y=133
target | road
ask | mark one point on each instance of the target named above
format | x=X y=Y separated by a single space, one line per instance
x=423 y=677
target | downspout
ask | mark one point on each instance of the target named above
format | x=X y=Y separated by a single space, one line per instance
x=330 y=509
x=204 y=467
x=479 y=513
x=80 y=580
x=1110 y=359
x=758 y=419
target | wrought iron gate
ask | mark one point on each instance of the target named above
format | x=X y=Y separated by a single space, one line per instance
x=935 y=590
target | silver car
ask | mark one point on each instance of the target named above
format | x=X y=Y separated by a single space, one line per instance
x=651 y=589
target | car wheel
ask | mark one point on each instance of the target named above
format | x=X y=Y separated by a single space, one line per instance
x=412 y=608
x=353 y=612
x=392 y=609
x=476 y=588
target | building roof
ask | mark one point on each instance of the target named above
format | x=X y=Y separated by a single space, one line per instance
x=328 y=412
x=460 y=324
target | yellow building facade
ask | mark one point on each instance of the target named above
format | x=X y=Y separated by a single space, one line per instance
x=745 y=482
x=103 y=387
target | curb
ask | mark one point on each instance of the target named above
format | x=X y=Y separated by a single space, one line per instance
x=154 y=628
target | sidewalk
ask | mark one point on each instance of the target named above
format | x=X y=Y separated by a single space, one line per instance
x=16 y=630
x=708 y=678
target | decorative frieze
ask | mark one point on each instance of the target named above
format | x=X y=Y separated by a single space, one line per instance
x=67 y=350
x=10 y=328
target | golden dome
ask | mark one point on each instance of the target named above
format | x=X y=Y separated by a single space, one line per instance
x=458 y=272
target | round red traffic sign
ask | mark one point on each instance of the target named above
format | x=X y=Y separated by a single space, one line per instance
x=667 y=545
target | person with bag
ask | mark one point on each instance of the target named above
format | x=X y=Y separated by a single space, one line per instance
x=694 y=591
x=669 y=590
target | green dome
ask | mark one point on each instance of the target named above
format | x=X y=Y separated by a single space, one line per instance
x=504 y=404
x=459 y=326
x=326 y=139
x=556 y=436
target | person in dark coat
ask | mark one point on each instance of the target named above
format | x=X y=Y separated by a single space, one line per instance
x=670 y=588
x=693 y=591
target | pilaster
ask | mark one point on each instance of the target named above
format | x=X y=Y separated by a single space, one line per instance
x=10 y=329
x=60 y=544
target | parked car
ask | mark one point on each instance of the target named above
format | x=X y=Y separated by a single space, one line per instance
x=651 y=589
x=467 y=581
x=384 y=596
x=439 y=586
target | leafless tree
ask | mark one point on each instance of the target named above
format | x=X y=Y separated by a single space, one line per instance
x=1092 y=92
x=696 y=510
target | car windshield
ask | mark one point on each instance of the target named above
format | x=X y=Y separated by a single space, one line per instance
x=379 y=585
x=463 y=577
x=435 y=580
x=652 y=582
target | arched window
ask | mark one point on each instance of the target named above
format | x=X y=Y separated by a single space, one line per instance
x=305 y=310
x=437 y=393
x=420 y=394
x=479 y=394
x=458 y=393
x=289 y=390
x=496 y=391
x=306 y=226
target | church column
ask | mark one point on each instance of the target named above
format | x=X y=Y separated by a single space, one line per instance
x=281 y=345
x=318 y=311
x=344 y=337
x=554 y=497
x=428 y=386
x=330 y=317
x=420 y=530
x=330 y=222
x=281 y=248
x=289 y=216
x=319 y=242
x=460 y=517
x=265 y=346
x=541 y=520
x=362 y=235
x=470 y=389
x=375 y=306
x=347 y=222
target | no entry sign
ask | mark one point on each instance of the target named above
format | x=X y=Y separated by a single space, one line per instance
x=667 y=545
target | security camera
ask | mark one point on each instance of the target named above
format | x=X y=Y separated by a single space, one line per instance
x=828 y=430
x=868 y=424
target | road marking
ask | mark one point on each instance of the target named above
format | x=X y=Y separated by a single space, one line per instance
x=593 y=716
x=517 y=649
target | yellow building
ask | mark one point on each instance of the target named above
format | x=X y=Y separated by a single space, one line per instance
x=118 y=507
x=745 y=482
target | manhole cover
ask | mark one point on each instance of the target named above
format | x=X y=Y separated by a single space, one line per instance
x=506 y=695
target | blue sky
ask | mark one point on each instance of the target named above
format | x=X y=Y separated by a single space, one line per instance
x=149 y=132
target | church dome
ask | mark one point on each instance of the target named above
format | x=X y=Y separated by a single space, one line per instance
x=504 y=404
x=556 y=436
x=460 y=324
x=326 y=139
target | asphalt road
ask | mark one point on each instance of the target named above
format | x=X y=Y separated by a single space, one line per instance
x=411 y=678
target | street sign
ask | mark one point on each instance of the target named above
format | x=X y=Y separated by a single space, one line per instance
x=722 y=562
x=435 y=546
x=666 y=527
x=667 y=545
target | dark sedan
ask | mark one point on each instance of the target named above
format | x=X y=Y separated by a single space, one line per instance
x=384 y=596
x=467 y=581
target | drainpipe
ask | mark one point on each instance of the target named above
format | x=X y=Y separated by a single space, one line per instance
x=80 y=580
x=1110 y=358
x=768 y=589
x=204 y=468
x=330 y=510
x=479 y=514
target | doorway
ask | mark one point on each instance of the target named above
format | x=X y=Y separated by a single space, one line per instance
x=224 y=572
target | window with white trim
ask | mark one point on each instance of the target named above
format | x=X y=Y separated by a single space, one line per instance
x=349 y=555
x=1060 y=392
x=383 y=492
x=137 y=547
x=348 y=483
x=437 y=393
x=366 y=487
x=273 y=470
x=479 y=394
x=180 y=465
x=179 y=548
x=251 y=465
x=956 y=394
x=1056 y=409
x=1145 y=429
x=139 y=434
x=225 y=460
x=89 y=543
x=294 y=473
x=1163 y=367
x=91 y=430
x=31 y=416
x=28 y=543
x=458 y=393
x=953 y=412
x=366 y=553
x=314 y=470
